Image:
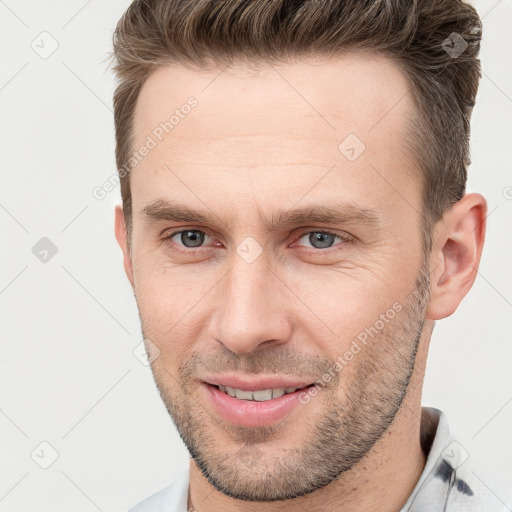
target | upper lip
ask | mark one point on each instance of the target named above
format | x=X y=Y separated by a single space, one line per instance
x=255 y=384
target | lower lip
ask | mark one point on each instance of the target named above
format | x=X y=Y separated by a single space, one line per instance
x=250 y=413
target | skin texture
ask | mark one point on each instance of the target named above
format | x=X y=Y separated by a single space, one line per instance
x=258 y=142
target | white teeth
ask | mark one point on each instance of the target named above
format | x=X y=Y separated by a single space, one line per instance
x=259 y=396
x=276 y=393
x=262 y=395
x=244 y=395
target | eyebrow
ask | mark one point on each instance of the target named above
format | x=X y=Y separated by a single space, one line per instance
x=337 y=213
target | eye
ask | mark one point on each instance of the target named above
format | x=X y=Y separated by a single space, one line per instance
x=322 y=240
x=189 y=238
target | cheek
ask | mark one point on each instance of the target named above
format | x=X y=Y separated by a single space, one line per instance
x=168 y=290
x=342 y=303
x=352 y=319
x=170 y=301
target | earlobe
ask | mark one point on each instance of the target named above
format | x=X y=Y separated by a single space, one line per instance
x=120 y=231
x=456 y=251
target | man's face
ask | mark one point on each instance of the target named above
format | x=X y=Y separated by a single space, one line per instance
x=243 y=295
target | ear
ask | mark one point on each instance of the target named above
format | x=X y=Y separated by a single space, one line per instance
x=120 y=227
x=456 y=249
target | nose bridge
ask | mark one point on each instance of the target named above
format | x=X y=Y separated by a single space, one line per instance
x=248 y=311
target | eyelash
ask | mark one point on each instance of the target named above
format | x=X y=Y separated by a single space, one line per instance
x=327 y=250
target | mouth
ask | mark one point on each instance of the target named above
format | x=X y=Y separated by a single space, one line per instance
x=254 y=408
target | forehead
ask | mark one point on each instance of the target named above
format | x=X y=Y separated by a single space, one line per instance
x=282 y=120
x=354 y=91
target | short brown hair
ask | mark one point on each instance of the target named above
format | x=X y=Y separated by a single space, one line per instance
x=436 y=44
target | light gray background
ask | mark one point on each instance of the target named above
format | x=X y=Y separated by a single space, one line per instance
x=69 y=326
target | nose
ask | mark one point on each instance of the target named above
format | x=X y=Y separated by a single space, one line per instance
x=251 y=308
